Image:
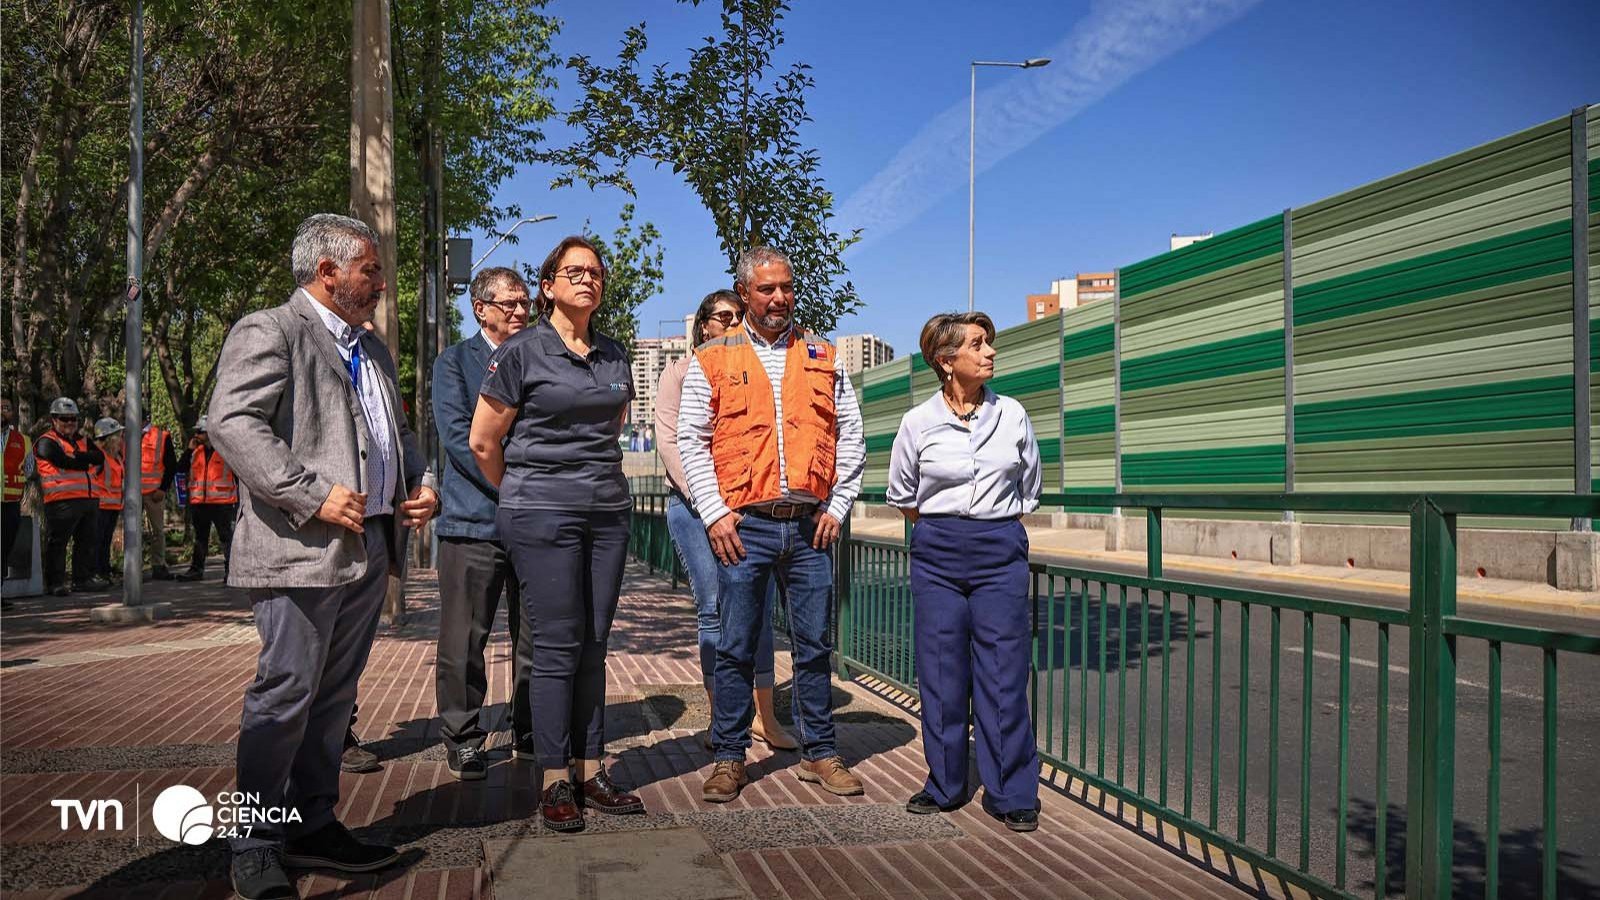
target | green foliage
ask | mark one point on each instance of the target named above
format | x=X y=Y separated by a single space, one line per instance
x=247 y=131
x=728 y=124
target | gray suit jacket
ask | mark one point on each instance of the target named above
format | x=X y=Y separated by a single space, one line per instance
x=285 y=416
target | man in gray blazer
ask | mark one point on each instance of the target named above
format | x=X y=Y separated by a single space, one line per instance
x=308 y=413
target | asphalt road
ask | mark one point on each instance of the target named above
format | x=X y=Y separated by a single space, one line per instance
x=1064 y=671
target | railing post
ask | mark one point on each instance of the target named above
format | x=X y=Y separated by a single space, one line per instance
x=1152 y=554
x=1430 y=764
x=841 y=589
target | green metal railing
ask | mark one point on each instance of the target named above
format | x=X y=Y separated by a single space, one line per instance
x=1091 y=626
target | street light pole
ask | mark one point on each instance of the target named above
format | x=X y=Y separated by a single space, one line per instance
x=972 y=160
x=531 y=220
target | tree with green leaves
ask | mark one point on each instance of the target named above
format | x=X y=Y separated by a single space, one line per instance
x=728 y=122
x=246 y=133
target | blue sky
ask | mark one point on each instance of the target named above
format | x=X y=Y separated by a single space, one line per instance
x=1157 y=116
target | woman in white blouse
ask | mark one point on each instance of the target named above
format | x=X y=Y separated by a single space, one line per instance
x=964 y=469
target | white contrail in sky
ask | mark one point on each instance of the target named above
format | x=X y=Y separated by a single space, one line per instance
x=1116 y=41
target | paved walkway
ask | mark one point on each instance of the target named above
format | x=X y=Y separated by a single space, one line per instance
x=90 y=712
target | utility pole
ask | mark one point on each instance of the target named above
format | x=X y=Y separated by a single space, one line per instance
x=133 y=609
x=372 y=174
x=431 y=327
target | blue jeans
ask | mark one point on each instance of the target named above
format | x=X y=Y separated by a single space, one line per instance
x=694 y=550
x=776 y=552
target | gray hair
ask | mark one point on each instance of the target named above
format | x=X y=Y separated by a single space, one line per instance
x=759 y=255
x=328 y=236
x=488 y=282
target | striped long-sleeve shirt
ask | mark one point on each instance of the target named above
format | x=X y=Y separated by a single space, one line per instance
x=695 y=418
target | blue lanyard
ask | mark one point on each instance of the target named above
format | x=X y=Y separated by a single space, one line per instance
x=355 y=364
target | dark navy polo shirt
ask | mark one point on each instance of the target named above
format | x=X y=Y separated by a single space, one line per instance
x=563 y=450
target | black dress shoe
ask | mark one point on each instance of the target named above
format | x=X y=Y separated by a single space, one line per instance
x=191 y=575
x=923 y=804
x=333 y=847
x=161 y=573
x=599 y=793
x=466 y=763
x=1018 y=819
x=60 y=590
x=559 y=809
x=258 y=875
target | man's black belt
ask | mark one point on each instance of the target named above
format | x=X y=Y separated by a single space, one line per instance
x=779 y=509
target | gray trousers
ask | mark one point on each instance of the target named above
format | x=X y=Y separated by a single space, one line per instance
x=314 y=644
x=473 y=576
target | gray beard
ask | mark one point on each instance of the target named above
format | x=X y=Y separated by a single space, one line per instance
x=775 y=323
x=354 y=305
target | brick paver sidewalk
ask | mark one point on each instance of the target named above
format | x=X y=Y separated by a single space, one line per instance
x=89 y=712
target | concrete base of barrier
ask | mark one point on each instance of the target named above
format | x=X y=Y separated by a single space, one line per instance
x=1568 y=560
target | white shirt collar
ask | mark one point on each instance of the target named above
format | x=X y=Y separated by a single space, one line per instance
x=485 y=335
x=782 y=341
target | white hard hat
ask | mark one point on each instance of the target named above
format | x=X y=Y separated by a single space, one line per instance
x=106 y=428
x=200 y=426
x=63 y=406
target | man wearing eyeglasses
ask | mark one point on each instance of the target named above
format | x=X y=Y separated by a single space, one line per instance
x=474 y=570
x=64 y=458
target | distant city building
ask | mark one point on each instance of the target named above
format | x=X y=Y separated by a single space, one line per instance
x=863 y=351
x=650 y=357
x=1071 y=293
x=1179 y=241
x=1094 y=286
x=1043 y=305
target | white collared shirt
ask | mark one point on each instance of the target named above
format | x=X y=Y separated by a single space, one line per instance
x=984 y=469
x=487 y=340
x=382 y=471
x=695 y=427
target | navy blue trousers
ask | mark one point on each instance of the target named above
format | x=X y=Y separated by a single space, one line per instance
x=969 y=584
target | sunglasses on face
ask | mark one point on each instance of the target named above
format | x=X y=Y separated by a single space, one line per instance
x=725 y=317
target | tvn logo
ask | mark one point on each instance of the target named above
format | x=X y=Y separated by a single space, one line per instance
x=181 y=814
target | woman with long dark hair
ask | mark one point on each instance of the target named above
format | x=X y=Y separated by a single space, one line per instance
x=545 y=433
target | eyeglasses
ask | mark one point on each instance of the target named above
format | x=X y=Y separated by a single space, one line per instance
x=578 y=274
x=509 y=307
x=65 y=418
x=726 y=317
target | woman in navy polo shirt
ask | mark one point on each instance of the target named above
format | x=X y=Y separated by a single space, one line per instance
x=545 y=432
x=964 y=469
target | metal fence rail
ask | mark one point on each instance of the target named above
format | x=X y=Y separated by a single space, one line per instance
x=1113 y=705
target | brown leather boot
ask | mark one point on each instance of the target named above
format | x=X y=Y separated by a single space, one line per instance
x=727 y=779
x=832 y=774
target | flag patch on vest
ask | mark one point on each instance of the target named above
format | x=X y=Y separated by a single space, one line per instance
x=816 y=352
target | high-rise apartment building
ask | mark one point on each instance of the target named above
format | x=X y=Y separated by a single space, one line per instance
x=650 y=357
x=863 y=351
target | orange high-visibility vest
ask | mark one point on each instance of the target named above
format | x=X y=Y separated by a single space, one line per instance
x=744 y=439
x=108 y=483
x=154 y=441
x=17 y=447
x=64 y=484
x=210 y=479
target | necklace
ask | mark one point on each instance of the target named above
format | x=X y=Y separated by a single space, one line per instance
x=967 y=416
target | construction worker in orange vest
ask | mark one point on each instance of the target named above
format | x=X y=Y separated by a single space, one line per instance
x=213 y=500
x=18 y=465
x=65 y=459
x=160 y=464
x=108 y=490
